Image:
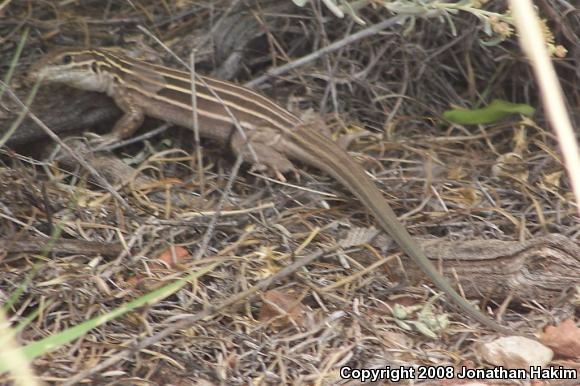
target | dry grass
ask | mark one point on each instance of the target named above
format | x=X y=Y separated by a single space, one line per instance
x=501 y=181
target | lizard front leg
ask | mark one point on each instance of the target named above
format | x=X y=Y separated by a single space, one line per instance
x=126 y=126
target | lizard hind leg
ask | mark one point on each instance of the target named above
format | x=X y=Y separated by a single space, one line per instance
x=261 y=148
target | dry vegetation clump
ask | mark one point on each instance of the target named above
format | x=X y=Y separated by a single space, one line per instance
x=76 y=252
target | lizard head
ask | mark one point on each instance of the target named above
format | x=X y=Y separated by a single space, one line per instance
x=80 y=68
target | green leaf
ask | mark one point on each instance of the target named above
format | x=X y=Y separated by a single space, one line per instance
x=495 y=111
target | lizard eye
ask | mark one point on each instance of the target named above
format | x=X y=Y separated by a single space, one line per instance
x=94 y=67
x=66 y=59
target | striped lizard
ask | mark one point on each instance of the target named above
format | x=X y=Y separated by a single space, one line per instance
x=276 y=135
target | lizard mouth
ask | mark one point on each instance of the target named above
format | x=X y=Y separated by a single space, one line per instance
x=39 y=74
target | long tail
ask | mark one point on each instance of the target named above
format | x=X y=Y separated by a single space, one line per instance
x=322 y=153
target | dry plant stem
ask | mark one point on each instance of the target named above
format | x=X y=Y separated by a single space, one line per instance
x=212 y=224
x=39 y=244
x=138 y=138
x=196 y=137
x=209 y=311
x=326 y=50
x=533 y=44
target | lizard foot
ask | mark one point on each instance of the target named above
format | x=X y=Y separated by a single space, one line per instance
x=101 y=142
x=262 y=151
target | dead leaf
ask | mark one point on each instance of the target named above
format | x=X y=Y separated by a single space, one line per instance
x=553 y=179
x=564 y=339
x=282 y=308
x=457 y=172
x=174 y=255
x=359 y=235
x=464 y=196
x=510 y=165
